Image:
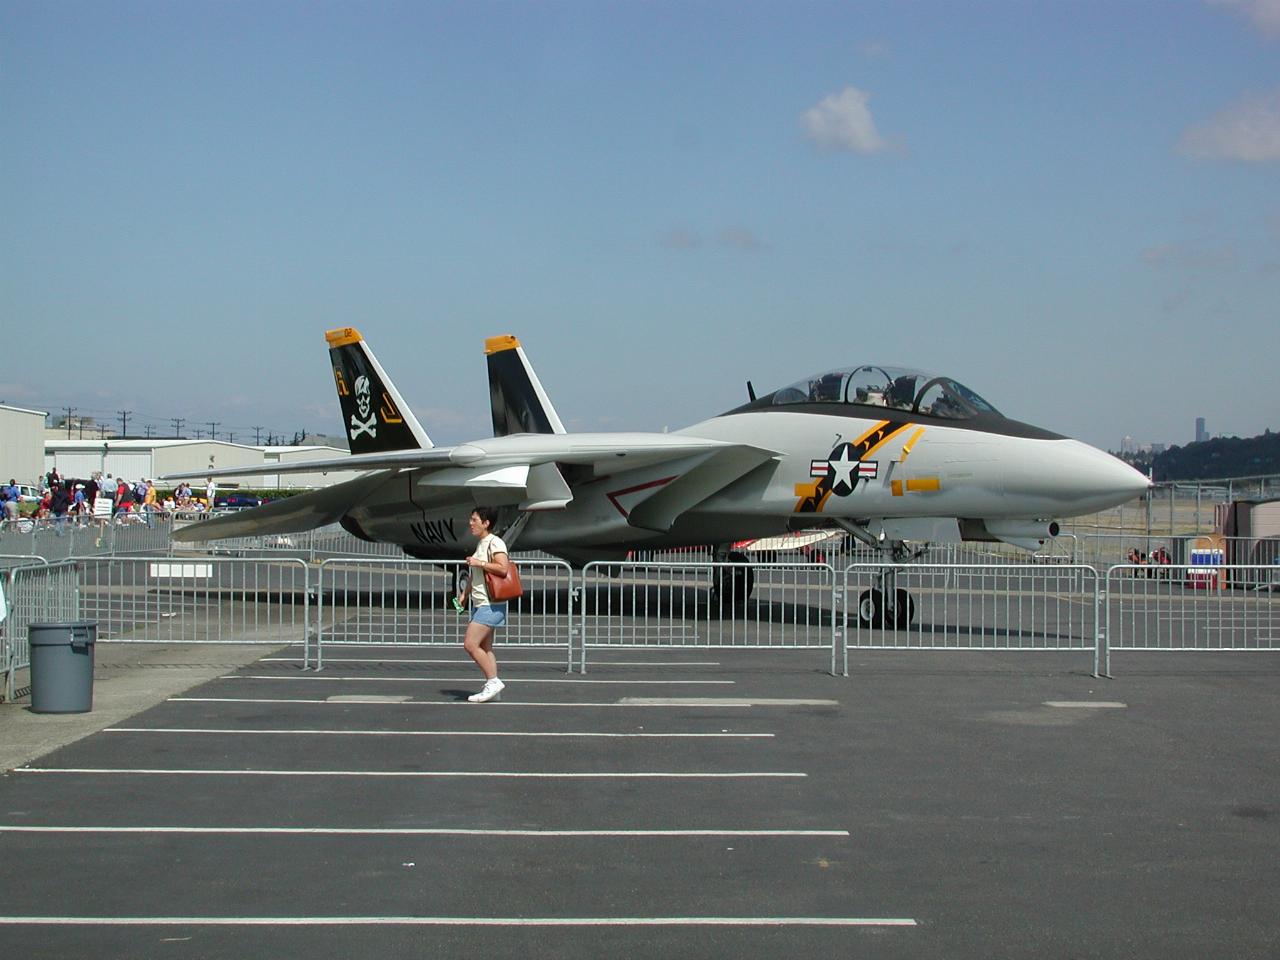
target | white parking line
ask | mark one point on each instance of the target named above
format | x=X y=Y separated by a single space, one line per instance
x=462 y=703
x=468 y=679
x=464 y=921
x=441 y=774
x=723 y=702
x=438 y=733
x=1087 y=704
x=423 y=832
x=506 y=658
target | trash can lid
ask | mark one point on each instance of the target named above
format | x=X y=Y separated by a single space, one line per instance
x=59 y=634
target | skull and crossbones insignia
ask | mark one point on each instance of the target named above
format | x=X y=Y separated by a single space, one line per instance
x=365 y=405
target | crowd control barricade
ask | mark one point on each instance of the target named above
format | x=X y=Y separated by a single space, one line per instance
x=761 y=606
x=165 y=599
x=363 y=600
x=1213 y=607
x=61 y=538
x=35 y=592
x=1030 y=606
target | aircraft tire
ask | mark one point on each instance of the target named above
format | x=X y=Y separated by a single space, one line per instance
x=905 y=611
x=871 y=608
x=732 y=587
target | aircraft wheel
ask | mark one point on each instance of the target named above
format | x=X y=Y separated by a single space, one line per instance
x=732 y=587
x=905 y=611
x=871 y=608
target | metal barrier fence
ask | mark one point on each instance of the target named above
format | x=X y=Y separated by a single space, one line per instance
x=1229 y=607
x=672 y=605
x=210 y=600
x=1103 y=550
x=82 y=536
x=37 y=592
x=404 y=601
x=1041 y=606
x=970 y=607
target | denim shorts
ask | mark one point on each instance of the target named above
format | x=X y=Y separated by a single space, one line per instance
x=490 y=614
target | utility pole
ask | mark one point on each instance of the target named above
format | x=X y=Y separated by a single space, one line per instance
x=70 y=411
x=213 y=429
x=257 y=436
x=148 y=428
x=231 y=438
x=199 y=434
x=177 y=426
x=124 y=422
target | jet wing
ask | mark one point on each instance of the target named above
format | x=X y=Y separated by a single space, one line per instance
x=523 y=465
x=305 y=511
x=609 y=451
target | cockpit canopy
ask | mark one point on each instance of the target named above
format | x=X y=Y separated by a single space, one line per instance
x=896 y=388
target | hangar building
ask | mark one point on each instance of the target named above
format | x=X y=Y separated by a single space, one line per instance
x=139 y=459
x=146 y=458
x=21 y=444
x=295 y=454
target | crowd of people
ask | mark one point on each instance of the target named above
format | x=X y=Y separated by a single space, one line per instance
x=1159 y=557
x=101 y=497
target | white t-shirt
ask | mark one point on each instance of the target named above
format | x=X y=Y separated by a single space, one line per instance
x=489 y=547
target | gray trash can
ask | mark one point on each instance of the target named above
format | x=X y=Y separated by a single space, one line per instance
x=62 y=666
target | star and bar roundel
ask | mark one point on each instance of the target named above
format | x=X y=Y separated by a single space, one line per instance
x=848 y=463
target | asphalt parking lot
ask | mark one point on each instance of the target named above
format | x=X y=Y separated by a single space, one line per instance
x=696 y=804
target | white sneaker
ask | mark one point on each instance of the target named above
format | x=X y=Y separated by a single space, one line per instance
x=490 y=691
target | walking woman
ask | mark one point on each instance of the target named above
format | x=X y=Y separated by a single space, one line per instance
x=486 y=615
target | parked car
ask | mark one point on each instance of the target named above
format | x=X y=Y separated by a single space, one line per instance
x=237 y=501
x=28 y=494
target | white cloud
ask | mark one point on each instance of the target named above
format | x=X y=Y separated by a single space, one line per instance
x=742 y=239
x=842 y=121
x=1192 y=258
x=1264 y=14
x=1248 y=130
x=678 y=238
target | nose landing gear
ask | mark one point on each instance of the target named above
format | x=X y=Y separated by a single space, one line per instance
x=874 y=611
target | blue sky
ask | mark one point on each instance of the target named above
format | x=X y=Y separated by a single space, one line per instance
x=1073 y=207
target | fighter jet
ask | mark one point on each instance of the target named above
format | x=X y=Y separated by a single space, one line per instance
x=897 y=458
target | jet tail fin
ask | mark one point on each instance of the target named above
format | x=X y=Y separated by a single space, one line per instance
x=374 y=414
x=518 y=402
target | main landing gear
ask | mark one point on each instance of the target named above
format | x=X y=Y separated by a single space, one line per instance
x=731 y=586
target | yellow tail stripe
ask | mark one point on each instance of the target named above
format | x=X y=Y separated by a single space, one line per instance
x=342 y=336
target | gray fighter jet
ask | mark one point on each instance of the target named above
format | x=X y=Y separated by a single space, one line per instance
x=894 y=457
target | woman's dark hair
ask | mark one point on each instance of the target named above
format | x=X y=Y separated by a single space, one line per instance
x=487 y=515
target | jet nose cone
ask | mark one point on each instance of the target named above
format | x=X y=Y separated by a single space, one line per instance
x=1100 y=480
x=1067 y=478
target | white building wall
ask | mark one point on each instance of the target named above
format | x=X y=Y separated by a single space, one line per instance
x=285 y=481
x=193 y=460
x=21 y=444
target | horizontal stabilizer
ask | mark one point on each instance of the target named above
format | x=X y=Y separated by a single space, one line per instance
x=306 y=511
